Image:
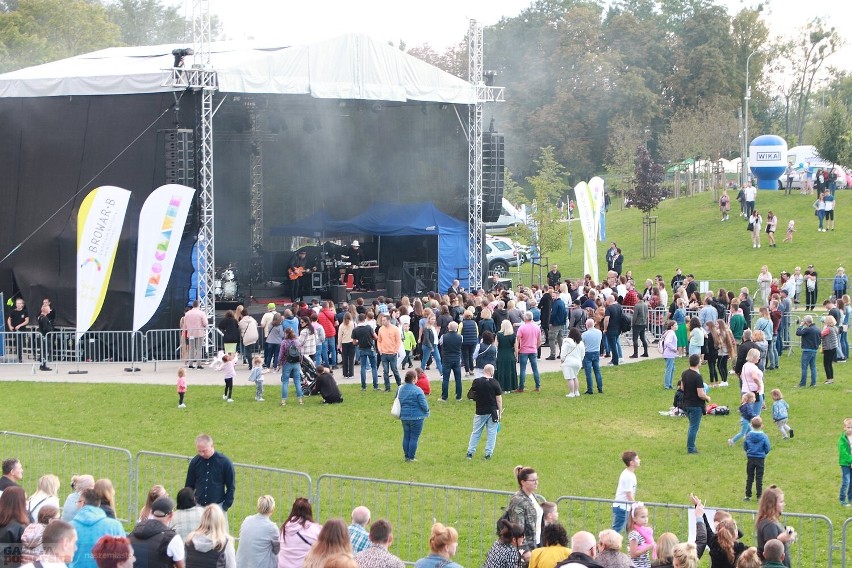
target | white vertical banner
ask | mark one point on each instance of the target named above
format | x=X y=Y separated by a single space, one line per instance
x=587 y=212
x=99 y=223
x=161 y=224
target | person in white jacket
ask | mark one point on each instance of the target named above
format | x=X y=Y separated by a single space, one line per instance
x=573 y=350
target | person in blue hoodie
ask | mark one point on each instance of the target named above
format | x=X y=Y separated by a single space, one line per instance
x=756 y=446
x=91 y=523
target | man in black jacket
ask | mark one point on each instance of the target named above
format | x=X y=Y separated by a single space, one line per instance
x=211 y=474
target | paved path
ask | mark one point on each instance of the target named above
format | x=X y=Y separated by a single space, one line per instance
x=164 y=373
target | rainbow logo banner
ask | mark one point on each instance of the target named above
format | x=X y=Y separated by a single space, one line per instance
x=161 y=224
x=589 y=204
x=99 y=224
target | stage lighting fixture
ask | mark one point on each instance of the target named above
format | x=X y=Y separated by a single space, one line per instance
x=444 y=106
x=376 y=107
x=489 y=77
x=180 y=53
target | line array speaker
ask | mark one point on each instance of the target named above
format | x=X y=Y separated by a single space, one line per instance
x=180 y=156
x=493 y=168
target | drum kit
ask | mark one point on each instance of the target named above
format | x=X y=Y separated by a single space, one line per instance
x=225 y=286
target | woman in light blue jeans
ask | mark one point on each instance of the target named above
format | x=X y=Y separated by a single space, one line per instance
x=669 y=346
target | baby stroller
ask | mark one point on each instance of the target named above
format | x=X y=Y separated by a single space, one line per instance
x=309 y=377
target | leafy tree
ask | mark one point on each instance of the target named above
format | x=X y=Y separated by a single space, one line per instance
x=148 y=22
x=512 y=190
x=832 y=138
x=717 y=125
x=453 y=60
x=646 y=192
x=625 y=135
x=39 y=31
x=548 y=185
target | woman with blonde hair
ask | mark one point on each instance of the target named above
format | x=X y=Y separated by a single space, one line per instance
x=79 y=483
x=154 y=493
x=443 y=542
x=47 y=493
x=507 y=367
x=259 y=544
x=685 y=555
x=665 y=550
x=106 y=492
x=210 y=542
x=749 y=559
x=333 y=539
x=610 y=554
x=829 y=347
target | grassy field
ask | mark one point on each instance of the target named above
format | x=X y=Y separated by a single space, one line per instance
x=574 y=444
x=690 y=235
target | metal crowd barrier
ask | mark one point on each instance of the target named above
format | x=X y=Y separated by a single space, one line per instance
x=813 y=547
x=412 y=509
x=252 y=481
x=94 y=347
x=23 y=347
x=844 y=541
x=65 y=458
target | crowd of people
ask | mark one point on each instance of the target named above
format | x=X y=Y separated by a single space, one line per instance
x=194 y=531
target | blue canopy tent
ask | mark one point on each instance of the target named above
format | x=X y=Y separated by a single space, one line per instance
x=396 y=220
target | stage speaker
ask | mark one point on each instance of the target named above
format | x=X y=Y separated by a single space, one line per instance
x=395 y=289
x=338 y=293
x=493 y=172
x=179 y=146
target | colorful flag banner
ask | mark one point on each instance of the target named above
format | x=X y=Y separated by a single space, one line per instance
x=99 y=223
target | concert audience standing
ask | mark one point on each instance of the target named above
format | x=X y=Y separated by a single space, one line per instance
x=364 y=339
x=358 y=535
x=259 y=542
x=79 y=483
x=527 y=341
x=187 y=515
x=297 y=535
x=333 y=540
x=13 y=473
x=113 y=552
x=91 y=523
x=13 y=520
x=443 y=544
x=210 y=543
x=376 y=555
x=60 y=542
x=195 y=322
x=154 y=543
x=413 y=412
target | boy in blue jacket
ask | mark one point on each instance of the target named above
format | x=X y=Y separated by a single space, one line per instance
x=756 y=446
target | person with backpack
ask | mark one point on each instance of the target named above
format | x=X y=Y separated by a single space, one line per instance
x=290 y=359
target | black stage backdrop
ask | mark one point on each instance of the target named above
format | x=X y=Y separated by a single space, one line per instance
x=341 y=156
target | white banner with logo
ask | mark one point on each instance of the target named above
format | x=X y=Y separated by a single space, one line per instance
x=161 y=224
x=99 y=223
x=587 y=211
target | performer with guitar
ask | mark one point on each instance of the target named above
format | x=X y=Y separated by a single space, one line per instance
x=295 y=271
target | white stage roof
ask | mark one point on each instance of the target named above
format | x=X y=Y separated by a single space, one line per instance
x=348 y=67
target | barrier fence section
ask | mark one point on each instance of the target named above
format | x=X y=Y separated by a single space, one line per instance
x=844 y=541
x=40 y=455
x=412 y=509
x=93 y=347
x=252 y=481
x=813 y=547
x=19 y=348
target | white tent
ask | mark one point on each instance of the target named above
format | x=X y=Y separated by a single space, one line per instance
x=347 y=67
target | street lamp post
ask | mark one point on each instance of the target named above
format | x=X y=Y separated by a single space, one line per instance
x=747 y=97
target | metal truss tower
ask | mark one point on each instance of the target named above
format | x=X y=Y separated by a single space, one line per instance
x=482 y=93
x=201 y=77
x=256 y=195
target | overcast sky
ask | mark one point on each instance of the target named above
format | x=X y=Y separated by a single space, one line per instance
x=444 y=22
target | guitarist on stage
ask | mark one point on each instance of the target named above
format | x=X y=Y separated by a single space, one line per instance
x=296 y=271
